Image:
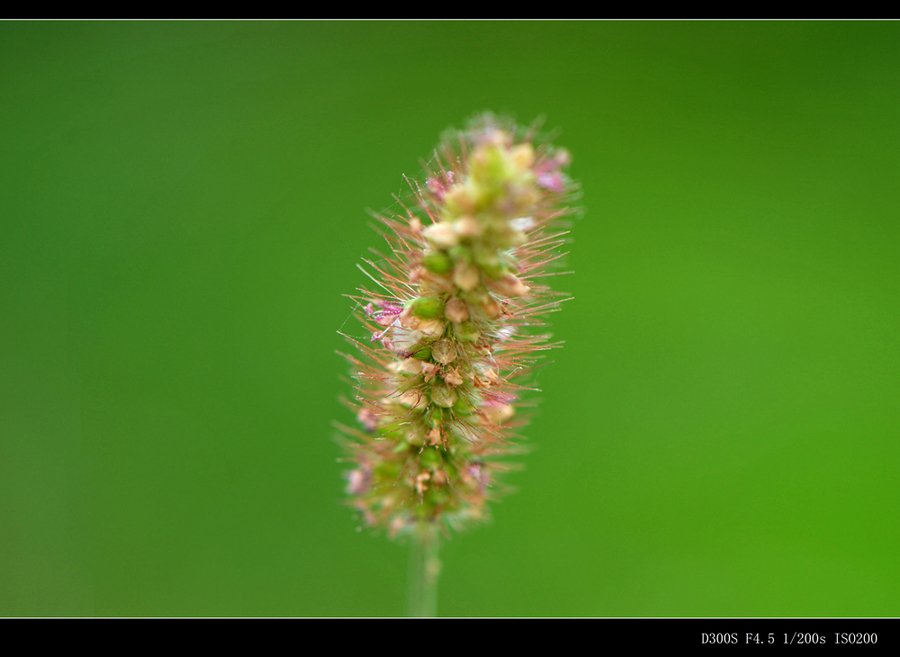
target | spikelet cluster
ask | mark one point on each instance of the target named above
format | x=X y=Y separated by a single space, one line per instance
x=450 y=323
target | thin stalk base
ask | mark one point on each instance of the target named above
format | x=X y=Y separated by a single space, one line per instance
x=424 y=569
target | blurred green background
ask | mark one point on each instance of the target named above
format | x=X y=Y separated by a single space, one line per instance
x=183 y=205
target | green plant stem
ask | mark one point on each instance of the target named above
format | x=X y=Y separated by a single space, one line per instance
x=424 y=568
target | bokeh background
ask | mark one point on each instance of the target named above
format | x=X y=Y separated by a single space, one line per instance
x=182 y=205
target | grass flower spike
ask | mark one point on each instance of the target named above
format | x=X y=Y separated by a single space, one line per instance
x=451 y=329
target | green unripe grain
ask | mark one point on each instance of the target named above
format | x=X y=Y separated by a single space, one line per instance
x=467 y=331
x=428 y=307
x=437 y=262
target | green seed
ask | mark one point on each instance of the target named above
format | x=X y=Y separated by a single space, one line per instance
x=437 y=262
x=467 y=331
x=428 y=307
x=443 y=395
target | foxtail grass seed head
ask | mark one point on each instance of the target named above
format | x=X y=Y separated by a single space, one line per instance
x=451 y=327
